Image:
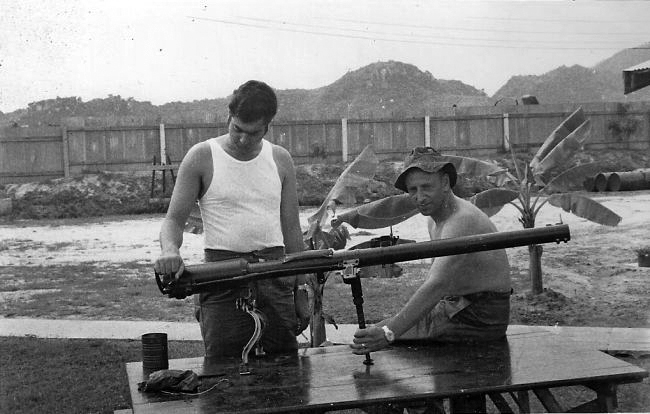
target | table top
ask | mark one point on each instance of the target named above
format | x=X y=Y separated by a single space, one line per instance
x=334 y=378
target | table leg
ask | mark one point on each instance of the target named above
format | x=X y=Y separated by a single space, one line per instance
x=522 y=401
x=467 y=404
x=548 y=400
x=435 y=406
x=605 y=397
x=500 y=402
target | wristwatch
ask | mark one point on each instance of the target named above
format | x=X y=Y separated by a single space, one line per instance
x=388 y=334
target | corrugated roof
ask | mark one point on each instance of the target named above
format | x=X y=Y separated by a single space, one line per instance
x=640 y=66
x=636 y=77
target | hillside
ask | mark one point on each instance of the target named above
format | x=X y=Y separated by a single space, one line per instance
x=602 y=82
x=390 y=89
x=378 y=90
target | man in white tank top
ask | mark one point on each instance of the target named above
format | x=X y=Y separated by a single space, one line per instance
x=246 y=189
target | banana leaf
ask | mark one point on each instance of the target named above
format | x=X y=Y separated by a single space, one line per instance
x=564 y=150
x=585 y=207
x=360 y=171
x=471 y=166
x=562 y=131
x=572 y=178
x=491 y=201
x=381 y=213
x=501 y=179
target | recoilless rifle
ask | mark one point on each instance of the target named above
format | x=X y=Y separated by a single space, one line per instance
x=224 y=274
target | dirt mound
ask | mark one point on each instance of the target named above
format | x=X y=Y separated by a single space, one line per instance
x=82 y=196
x=129 y=193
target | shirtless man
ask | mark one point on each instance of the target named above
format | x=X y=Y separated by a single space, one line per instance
x=466 y=296
x=246 y=188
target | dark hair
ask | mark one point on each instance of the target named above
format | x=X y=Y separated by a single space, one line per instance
x=252 y=101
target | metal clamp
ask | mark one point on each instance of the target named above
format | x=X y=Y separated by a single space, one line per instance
x=350 y=269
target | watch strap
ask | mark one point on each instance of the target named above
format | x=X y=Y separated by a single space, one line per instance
x=388 y=334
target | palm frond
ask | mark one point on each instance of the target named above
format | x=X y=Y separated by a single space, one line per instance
x=521 y=210
x=514 y=161
x=357 y=173
x=536 y=210
x=585 y=207
x=564 y=150
x=381 y=213
x=472 y=166
x=572 y=178
x=562 y=131
x=492 y=201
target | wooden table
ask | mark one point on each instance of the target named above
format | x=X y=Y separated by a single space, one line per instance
x=332 y=378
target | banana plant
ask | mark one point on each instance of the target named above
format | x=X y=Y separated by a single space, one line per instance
x=537 y=183
x=544 y=181
x=321 y=235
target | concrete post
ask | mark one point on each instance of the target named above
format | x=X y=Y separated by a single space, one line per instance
x=506 y=132
x=344 y=139
x=427 y=131
x=163 y=146
x=66 y=152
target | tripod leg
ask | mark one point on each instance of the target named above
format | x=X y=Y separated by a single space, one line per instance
x=357 y=299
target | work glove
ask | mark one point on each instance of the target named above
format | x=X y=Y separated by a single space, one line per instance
x=172 y=380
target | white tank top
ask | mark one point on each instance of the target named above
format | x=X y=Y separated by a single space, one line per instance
x=241 y=208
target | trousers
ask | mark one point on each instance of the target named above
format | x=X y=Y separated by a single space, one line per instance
x=226 y=329
x=482 y=316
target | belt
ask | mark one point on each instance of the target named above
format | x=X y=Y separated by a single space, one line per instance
x=473 y=297
x=270 y=253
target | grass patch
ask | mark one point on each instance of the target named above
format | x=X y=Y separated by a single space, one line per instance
x=127 y=291
x=95 y=291
x=71 y=375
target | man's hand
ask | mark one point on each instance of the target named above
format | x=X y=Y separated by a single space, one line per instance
x=169 y=265
x=303 y=313
x=368 y=340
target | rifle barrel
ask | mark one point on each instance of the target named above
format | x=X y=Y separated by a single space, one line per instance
x=209 y=276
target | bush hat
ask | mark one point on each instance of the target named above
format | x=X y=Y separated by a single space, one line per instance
x=429 y=160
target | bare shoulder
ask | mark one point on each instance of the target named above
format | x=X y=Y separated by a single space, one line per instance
x=198 y=157
x=199 y=149
x=282 y=158
x=467 y=221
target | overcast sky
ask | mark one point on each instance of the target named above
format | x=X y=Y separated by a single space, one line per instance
x=167 y=51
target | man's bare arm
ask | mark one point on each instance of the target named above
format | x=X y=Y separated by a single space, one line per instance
x=291 y=231
x=289 y=210
x=186 y=192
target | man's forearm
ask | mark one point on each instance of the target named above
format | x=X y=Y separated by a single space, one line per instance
x=422 y=302
x=171 y=237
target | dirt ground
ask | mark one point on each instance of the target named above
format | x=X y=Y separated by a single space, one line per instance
x=592 y=280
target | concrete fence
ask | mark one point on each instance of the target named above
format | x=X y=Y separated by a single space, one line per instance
x=91 y=145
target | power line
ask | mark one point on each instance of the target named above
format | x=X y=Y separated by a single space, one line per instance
x=524 y=19
x=463 y=29
x=409 y=41
x=282 y=22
